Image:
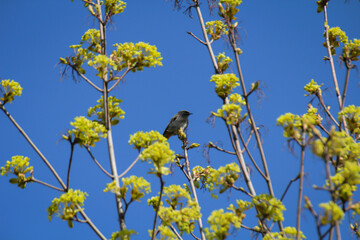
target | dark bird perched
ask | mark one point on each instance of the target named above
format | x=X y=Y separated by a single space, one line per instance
x=178 y=122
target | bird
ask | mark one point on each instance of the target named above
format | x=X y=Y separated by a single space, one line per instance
x=178 y=122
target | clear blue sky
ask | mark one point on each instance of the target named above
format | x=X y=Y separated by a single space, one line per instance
x=282 y=44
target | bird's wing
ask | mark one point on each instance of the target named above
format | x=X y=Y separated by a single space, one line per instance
x=171 y=121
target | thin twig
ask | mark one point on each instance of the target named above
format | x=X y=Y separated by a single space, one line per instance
x=220 y=149
x=46 y=184
x=249 y=154
x=328 y=47
x=90 y=223
x=319 y=96
x=201 y=41
x=252 y=229
x=192 y=234
x=131 y=165
x=86 y=79
x=97 y=163
x=326 y=25
x=310 y=207
x=301 y=185
x=206 y=38
x=348 y=68
x=242 y=190
x=175 y=232
x=192 y=186
x=33 y=146
x=158 y=207
x=324 y=129
x=122 y=77
x=69 y=167
x=288 y=186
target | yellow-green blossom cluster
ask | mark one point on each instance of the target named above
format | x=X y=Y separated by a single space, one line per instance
x=230 y=9
x=221 y=222
x=351 y=50
x=114 y=111
x=339 y=145
x=101 y=63
x=352 y=118
x=113 y=7
x=346 y=180
x=10 y=90
x=176 y=207
x=220 y=179
x=312 y=88
x=321 y=4
x=294 y=124
x=135 y=56
x=124 y=234
x=19 y=166
x=231 y=112
x=224 y=84
x=67 y=205
x=336 y=35
x=268 y=207
x=159 y=154
x=145 y=139
x=223 y=62
x=290 y=232
x=86 y=132
x=331 y=213
x=138 y=187
x=92 y=37
x=216 y=29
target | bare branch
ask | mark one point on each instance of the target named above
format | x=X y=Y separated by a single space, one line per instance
x=97 y=163
x=158 y=206
x=319 y=96
x=85 y=78
x=131 y=165
x=69 y=167
x=91 y=224
x=33 y=146
x=46 y=184
x=201 y=41
x=288 y=186
x=249 y=154
x=175 y=232
x=212 y=145
x=242 y=190
x=192 y=185
x=121 y=78
x=301 y=185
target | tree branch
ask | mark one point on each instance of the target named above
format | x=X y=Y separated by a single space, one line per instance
x=333 y=67
x=97 y=163
x=175 y=232
x=212 y=145
x=192 y=186
x=121 y=78
x=85 y=78
x=69 y=167
x=46 y=184
x=201 y=41
x=301 y=183
x=33 y=146
x=158 y=207
x=131 y=165
x=110 y=143
x=91 y=224
x=249 y=154
x=319 y=96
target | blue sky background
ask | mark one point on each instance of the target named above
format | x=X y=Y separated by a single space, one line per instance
x=282 y=44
